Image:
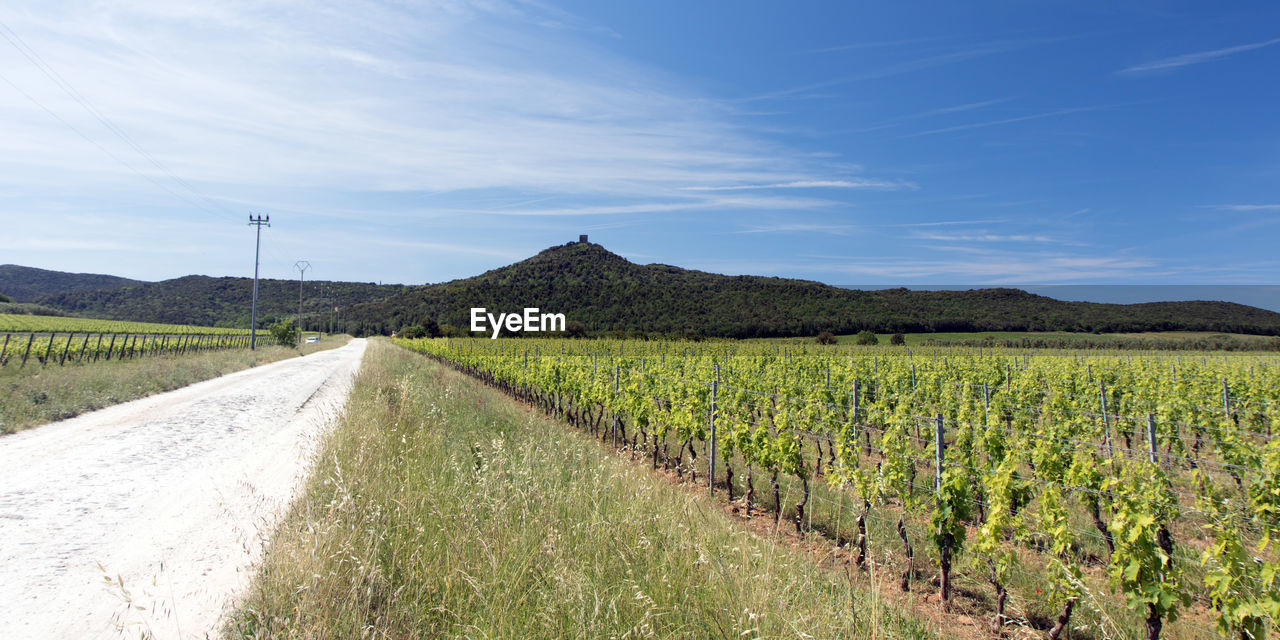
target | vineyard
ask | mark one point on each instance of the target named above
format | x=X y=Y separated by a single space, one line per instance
x=59 y=340
x=12 y=323
x=61 y=349
x=1069 y=494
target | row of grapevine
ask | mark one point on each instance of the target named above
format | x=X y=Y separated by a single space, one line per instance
x=58 y=349
x=19 y=323
x=1151 y=477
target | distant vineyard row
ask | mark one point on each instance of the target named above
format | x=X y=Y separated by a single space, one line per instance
x=54 y=324
x=46 y=349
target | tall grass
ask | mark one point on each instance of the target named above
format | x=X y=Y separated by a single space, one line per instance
x=440 y=508
x=35 y=394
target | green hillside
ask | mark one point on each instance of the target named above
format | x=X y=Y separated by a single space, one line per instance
x=29 y=284
x=217 y=302
x=607 y=293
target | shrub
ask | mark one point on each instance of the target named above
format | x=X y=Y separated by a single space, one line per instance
x=898 y=338
x=825 y=337
x=866 y=337
x=284 y=333
x=426 y=329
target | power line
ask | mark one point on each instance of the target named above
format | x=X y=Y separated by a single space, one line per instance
x=36 y=60
x=301 y=266
x=259 y=222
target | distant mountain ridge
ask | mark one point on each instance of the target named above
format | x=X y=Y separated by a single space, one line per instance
x=29 y=284
x=223 y=301
x=196 y=300
x=607 y=293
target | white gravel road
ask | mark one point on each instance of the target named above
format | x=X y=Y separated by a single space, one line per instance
x=170 y=497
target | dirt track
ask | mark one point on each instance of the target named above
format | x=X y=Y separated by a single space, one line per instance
x=171 y=495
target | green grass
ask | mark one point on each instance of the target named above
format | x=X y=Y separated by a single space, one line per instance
x=441 y=508
x=35 y=394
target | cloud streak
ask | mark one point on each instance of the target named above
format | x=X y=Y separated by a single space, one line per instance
x=837 y=229
x=993 y=123
x=1245 y=207
x=861 y=183
x=983 y=237
x=1200 y=57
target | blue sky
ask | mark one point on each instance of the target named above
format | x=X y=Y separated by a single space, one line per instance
x=851 y=143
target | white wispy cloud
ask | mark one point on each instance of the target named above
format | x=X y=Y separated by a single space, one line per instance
x=271 y=102
x=891 y=70
x=876 y=44
x=943 y=223
x=762 y=203
x=1002 y=268
x=1175 y=62
x=992 y=123
x=837 y=229
x=983 y=237
x=1245 y=207
x=861 y=183
x=969 y=106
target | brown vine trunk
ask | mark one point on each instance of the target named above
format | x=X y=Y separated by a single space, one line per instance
x=728 y=479
x=945 y=590
x=679 y=460
x=997 y=625
x=693 y=462
x=911 y=556
x=1102 y=528
x=861 y=558
x=1154 y=623
x=804 y=500
x=751 y=487
x=1195 y=450
x=817 y=468
x=777 y=500
x=1063 y=618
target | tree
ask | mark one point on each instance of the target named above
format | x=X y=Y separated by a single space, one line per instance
x=4 y=298
x=825 y=337
x=575 y=329
x=284 y=333
x=898 y=339
x=866 y=337
x=425 y=329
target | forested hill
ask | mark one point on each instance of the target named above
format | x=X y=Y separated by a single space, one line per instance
x=29 y=284
x=223 y=302
x=607 y=294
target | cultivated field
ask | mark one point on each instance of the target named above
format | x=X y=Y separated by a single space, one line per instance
x=1114 y=495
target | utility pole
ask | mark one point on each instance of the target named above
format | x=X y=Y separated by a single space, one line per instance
x=258 y=222
x=301 y=266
